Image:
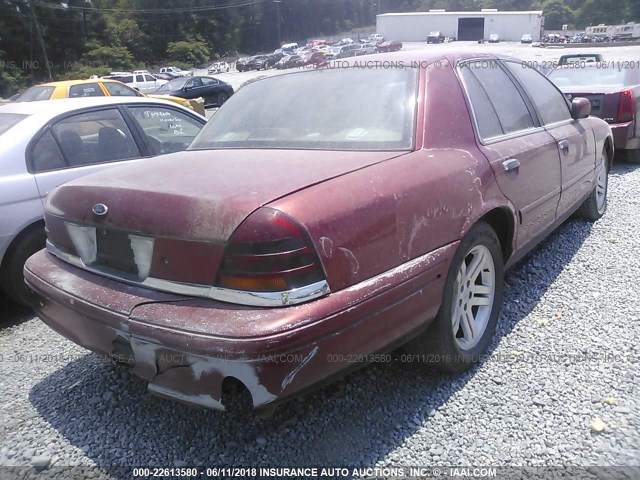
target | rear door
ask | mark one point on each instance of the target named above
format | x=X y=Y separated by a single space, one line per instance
x=574 y=139
x=524 y=157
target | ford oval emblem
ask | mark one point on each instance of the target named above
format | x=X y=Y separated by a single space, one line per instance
x=100 y=209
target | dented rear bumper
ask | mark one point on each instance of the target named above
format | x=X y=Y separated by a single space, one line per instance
x=186 y=347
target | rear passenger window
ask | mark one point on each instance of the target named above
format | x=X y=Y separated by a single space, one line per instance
x=509 y=105
x=549 y=101
x=85 y=90
x=95 y=137
x=485 y=115
x=46 y=154
x=116 y=89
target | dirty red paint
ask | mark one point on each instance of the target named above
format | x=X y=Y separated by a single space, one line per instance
x=385 y=226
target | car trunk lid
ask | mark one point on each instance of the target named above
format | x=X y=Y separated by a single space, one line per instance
x=604 y=100
x=171 y=218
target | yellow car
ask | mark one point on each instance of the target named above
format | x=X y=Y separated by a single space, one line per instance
x=101 y=87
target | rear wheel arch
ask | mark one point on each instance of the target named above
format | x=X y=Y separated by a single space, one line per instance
x=22 y=246
x=502 y=222
x=608 y=146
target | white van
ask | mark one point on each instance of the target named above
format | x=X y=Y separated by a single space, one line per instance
x=289 y=46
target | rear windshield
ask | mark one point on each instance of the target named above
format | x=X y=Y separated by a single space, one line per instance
x=580 y=76
x=330 y=109
x=8 y=120
x=172 y=85
x=35 y=94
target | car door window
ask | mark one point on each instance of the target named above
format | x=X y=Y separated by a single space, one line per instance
x=551 y=104
x=196 y=82
x=140 y=78
x=85 y=90
x=485 y=115
x=45 y=155
x=116 y=89
x=512 y=111
x=95 y=137
x=207 y=82
x=149 y=78
x=166 y=129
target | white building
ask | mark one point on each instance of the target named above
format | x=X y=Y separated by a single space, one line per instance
x=414 y=27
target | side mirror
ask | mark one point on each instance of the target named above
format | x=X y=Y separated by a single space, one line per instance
x=580 y=108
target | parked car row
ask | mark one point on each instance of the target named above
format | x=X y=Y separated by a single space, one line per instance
x=317 y=53
x=579 y=38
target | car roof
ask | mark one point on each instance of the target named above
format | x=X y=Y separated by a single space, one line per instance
x=66 y=83
x=63 y=105
x=428 y=55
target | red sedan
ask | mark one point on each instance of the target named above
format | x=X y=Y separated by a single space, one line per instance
x=297 y=239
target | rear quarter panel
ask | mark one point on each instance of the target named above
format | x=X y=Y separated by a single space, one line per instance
x=20 y=203
x=377 y=218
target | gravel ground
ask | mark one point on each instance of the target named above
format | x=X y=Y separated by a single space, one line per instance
x=564 y=364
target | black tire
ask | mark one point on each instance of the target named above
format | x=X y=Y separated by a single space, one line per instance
x=632 y=156
x=595 y=206
x=222 y=97
x=439 y=345
x=11 y=275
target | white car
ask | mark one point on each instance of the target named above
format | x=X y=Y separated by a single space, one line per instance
x=494 y=38
x=44 y=144
x=366 y=49
x=375 y=38
x=218 y=67
x=143 y=82
x=176 y=72
x=344 y=41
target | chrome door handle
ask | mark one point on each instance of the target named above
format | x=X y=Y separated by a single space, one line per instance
x=511 y=164
x=564 y=146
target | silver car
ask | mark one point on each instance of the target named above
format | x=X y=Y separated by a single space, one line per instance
x=45 y=144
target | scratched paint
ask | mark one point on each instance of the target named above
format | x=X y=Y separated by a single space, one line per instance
x=291 y=375
x=353 y=261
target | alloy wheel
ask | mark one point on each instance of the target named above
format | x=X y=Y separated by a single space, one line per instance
x=474 y=292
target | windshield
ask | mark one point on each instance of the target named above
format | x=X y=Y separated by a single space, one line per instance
x=172 y=85
x=8 y=120
x=371 y=109
x=34 y=94
x=590 y=77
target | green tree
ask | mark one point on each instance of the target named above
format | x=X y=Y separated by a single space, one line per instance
x=556 y=14
x=190 y=53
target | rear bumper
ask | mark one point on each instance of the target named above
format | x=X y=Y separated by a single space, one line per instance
x=623 y=136
x=178 y=344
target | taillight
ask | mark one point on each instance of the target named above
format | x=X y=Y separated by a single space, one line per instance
x=626 y=107
x=269 y=252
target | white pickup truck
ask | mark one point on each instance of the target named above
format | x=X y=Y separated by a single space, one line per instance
x=141 y=80
x=176 y=72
